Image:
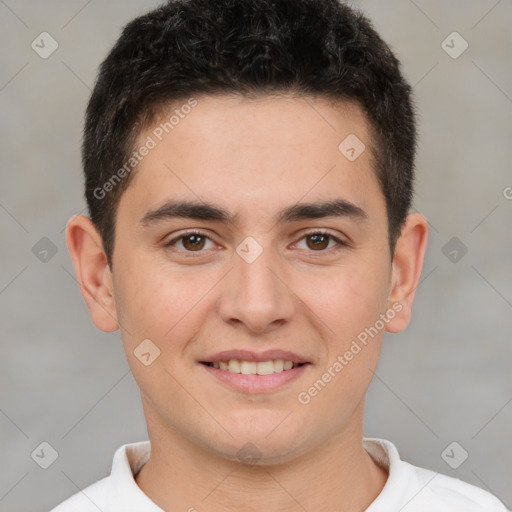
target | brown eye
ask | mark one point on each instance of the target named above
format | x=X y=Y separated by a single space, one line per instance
x=319 y=241
x=193 y=242
x=189 y=242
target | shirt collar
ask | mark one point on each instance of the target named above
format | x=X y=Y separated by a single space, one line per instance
x=129 y=459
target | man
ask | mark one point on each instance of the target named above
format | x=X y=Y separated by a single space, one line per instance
x=249 y=173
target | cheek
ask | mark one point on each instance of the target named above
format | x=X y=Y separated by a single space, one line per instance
x=146 y=305
x=351 y=298
x=162 y=305
x=349 y=311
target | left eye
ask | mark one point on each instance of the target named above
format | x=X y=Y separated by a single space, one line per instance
x=195 y=241
x=320 y=240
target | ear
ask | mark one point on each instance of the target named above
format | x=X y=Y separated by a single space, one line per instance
x=92 y=271
x=406 y=270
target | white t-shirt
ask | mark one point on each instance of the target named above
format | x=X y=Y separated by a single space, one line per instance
x=408 y=488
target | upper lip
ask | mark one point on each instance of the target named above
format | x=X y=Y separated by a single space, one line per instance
x=249 y=355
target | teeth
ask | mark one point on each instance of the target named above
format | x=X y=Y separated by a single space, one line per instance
x=247 y=367
x=255 y=368
x=265 y=368
x=234 y=366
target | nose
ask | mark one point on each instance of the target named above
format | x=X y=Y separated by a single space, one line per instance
x=256 y=294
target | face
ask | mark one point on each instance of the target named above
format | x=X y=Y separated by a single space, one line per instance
x=258 y=277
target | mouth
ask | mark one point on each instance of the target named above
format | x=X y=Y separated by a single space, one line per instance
x=254 y=367
x=250 y=372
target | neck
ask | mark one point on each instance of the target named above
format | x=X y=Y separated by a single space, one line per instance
x=338 y=474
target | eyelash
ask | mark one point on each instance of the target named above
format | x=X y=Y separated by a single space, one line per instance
x=340 y=243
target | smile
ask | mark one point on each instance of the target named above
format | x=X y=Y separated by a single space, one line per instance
x=253 y=367
x=255 y=377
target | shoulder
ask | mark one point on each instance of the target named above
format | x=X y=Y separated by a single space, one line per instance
x=117 y=492
x=411 y=488
x=91 y=499
x=452 y=494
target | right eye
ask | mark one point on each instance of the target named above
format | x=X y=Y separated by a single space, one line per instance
x=191 y=241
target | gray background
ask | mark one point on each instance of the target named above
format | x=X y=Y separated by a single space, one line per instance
x=446 y=378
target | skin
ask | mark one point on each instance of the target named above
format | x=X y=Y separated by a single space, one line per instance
x=253 y=158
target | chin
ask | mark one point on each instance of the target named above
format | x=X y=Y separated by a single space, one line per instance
x=262 y=447
x=259 y=454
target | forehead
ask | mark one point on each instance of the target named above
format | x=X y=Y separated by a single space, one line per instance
x=257 y=152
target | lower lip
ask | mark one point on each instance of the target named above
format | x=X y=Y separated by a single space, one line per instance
x=256 y=383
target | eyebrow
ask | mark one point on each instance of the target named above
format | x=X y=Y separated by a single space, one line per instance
x=210 y=212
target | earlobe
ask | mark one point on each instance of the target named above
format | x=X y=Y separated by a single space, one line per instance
x=92 y=271
x=406 y=269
